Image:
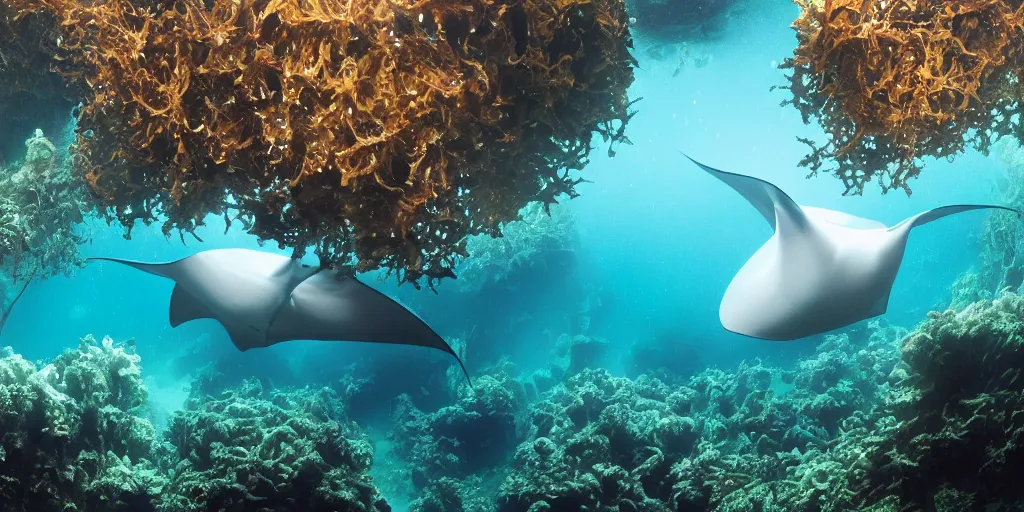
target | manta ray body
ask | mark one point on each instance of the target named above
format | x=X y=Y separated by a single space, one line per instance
x=262 y=299
x=820 y=270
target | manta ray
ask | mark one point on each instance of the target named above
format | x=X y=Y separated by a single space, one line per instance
x=820 y=270
x=262 y=299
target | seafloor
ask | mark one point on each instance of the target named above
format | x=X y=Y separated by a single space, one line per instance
x=877 y=419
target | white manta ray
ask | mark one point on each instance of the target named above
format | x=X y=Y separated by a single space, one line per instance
x=821 y=269
x=262 y=299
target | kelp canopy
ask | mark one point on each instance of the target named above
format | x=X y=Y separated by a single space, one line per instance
x=893 y=81
x=380 y=132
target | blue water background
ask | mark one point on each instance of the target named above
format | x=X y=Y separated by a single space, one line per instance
x=659 y=239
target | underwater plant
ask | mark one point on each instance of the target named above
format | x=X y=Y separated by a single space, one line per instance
x=893 y=82
x=381 y=134
x=42 y=208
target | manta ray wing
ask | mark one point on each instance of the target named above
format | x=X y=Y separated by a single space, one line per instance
x=241 y=289
x=185 y=307
x=768 y=199
x=943 y=211
x=328 y=307
x=820 y=270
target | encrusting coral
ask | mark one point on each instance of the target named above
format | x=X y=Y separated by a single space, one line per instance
x=892 y=82
x=382 y=134
x=466 y=443
x=757 y=438
x=959 y=433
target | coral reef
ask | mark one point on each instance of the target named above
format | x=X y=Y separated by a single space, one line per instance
x=893 y=82
x=249 y=448
x=42 y=207
x=381 y=134
x=726 y=441
x=757 y=438
x=540 y=241
x=878 y=419
x=71 y=437
x=458 y=453
x=956 y=438
x=74 y=436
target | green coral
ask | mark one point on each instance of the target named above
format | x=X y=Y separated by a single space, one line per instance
x=468 y=443
x=958 y=434
x=251 y=448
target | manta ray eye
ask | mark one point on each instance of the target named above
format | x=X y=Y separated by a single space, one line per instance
x=305 y=266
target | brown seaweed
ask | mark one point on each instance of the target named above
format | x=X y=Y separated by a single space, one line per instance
x=894 y=81
x=382 y=133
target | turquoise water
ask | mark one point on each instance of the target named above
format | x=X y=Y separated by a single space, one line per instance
x=655 y=233
x=658 y=242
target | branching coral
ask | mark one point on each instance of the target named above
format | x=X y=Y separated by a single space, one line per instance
x=895 y=81
x=381 y=133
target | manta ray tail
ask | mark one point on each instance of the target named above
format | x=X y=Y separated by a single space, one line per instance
x=157 y=269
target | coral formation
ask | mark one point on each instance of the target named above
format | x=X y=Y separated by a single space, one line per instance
x=540 y=241
x=957 y=434
x=381 y=134
x=464 y=444
x=893 y=82
x=757 y=438
x=72 y=438
x=251 y=448
x=42 y=207
x=879 y=419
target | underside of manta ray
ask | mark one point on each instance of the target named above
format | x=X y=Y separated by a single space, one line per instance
x=820 y=270
x=262 y=299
